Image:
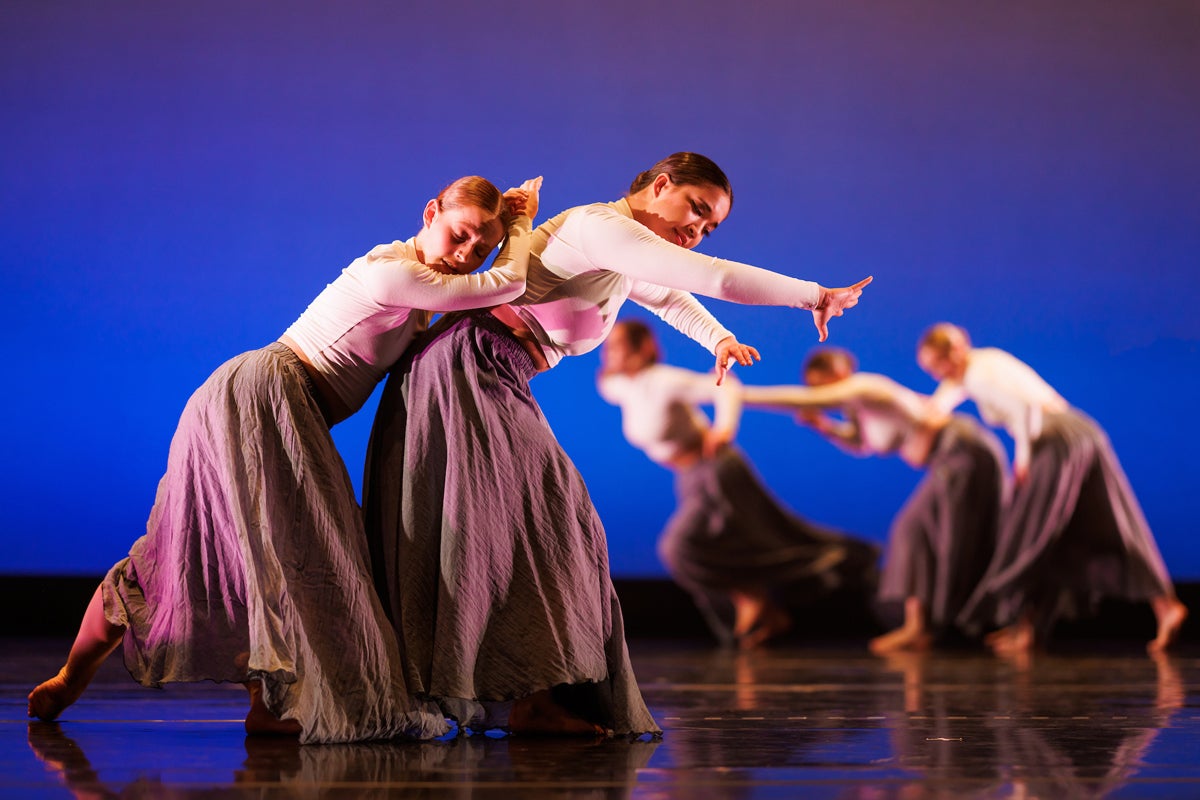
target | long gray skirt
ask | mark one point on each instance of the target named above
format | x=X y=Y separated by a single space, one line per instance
x=943 y=537
x=485 y=542
x=1073 y=534
x=254 y=564
x=730 y=532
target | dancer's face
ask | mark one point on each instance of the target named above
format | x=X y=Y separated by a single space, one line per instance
x=684 y=214
x=455 y=241
x=821 y=377
x=618 y=356
x=942 y=366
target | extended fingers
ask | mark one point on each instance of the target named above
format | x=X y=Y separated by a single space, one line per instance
x=821 y=321
x=844 y=298
x=745 y=355
x=834 y=303
x=722 y=370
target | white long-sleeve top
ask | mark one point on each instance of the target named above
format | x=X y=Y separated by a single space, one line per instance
x=886 y=418
x=659 y=413
x=1007 y=392
x=360 y=324
x=587 y=260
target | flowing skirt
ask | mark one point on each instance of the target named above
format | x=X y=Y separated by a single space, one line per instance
x=942 y=539
x=485 y=542
x=1073 y=533
x=730 y=532
x=254 y=564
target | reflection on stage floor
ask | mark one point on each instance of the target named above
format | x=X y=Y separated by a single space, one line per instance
x=823 y=721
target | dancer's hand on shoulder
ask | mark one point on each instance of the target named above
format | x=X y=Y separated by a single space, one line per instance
x=730 y=348
x=835 y=301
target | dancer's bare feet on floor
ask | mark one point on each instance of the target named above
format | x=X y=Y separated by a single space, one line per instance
x=772 y=622
x=539 y=715
x=52 y=697
x=997 y=638
x=261 y=722
x=97 y=638
x=748 y=608
x=1017 y=639
x=902 y=639
x=756 y=619
x=1171 y=615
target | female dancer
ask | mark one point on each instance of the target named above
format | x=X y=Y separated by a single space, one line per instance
x=1074 y=530
x=730 y=543
x=942 y=538
x=487 y=547
x=254 y=567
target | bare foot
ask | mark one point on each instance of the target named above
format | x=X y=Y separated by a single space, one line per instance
x=96 y=640
x=904 y=639
x=1171 y=615
x=1015 y=640
x=771 y=622
x=52 y=697
x=748 y=608
x=996 y=637
x=261 y=722
x=539 y=715
x=1002 y=640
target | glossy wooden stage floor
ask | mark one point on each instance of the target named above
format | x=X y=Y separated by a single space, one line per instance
x=830 y=721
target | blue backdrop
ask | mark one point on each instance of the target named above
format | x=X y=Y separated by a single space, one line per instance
x=179 y=180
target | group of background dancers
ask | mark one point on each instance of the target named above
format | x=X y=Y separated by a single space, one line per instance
x=472 y=584
x=970 y=551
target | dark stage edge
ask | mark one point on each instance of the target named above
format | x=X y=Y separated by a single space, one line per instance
x=653 y=609
x=1093 y=719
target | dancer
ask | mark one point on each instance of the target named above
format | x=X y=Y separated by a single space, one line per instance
x=254 y=567
x=730 y=543
x=487 y=546
x=1074 y=531
x=942 y=538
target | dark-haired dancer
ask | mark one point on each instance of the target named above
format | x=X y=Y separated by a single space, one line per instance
x=1074 y=531
x=254 y=567
x=730 y=543
x=489 y=549
x=942 y=538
